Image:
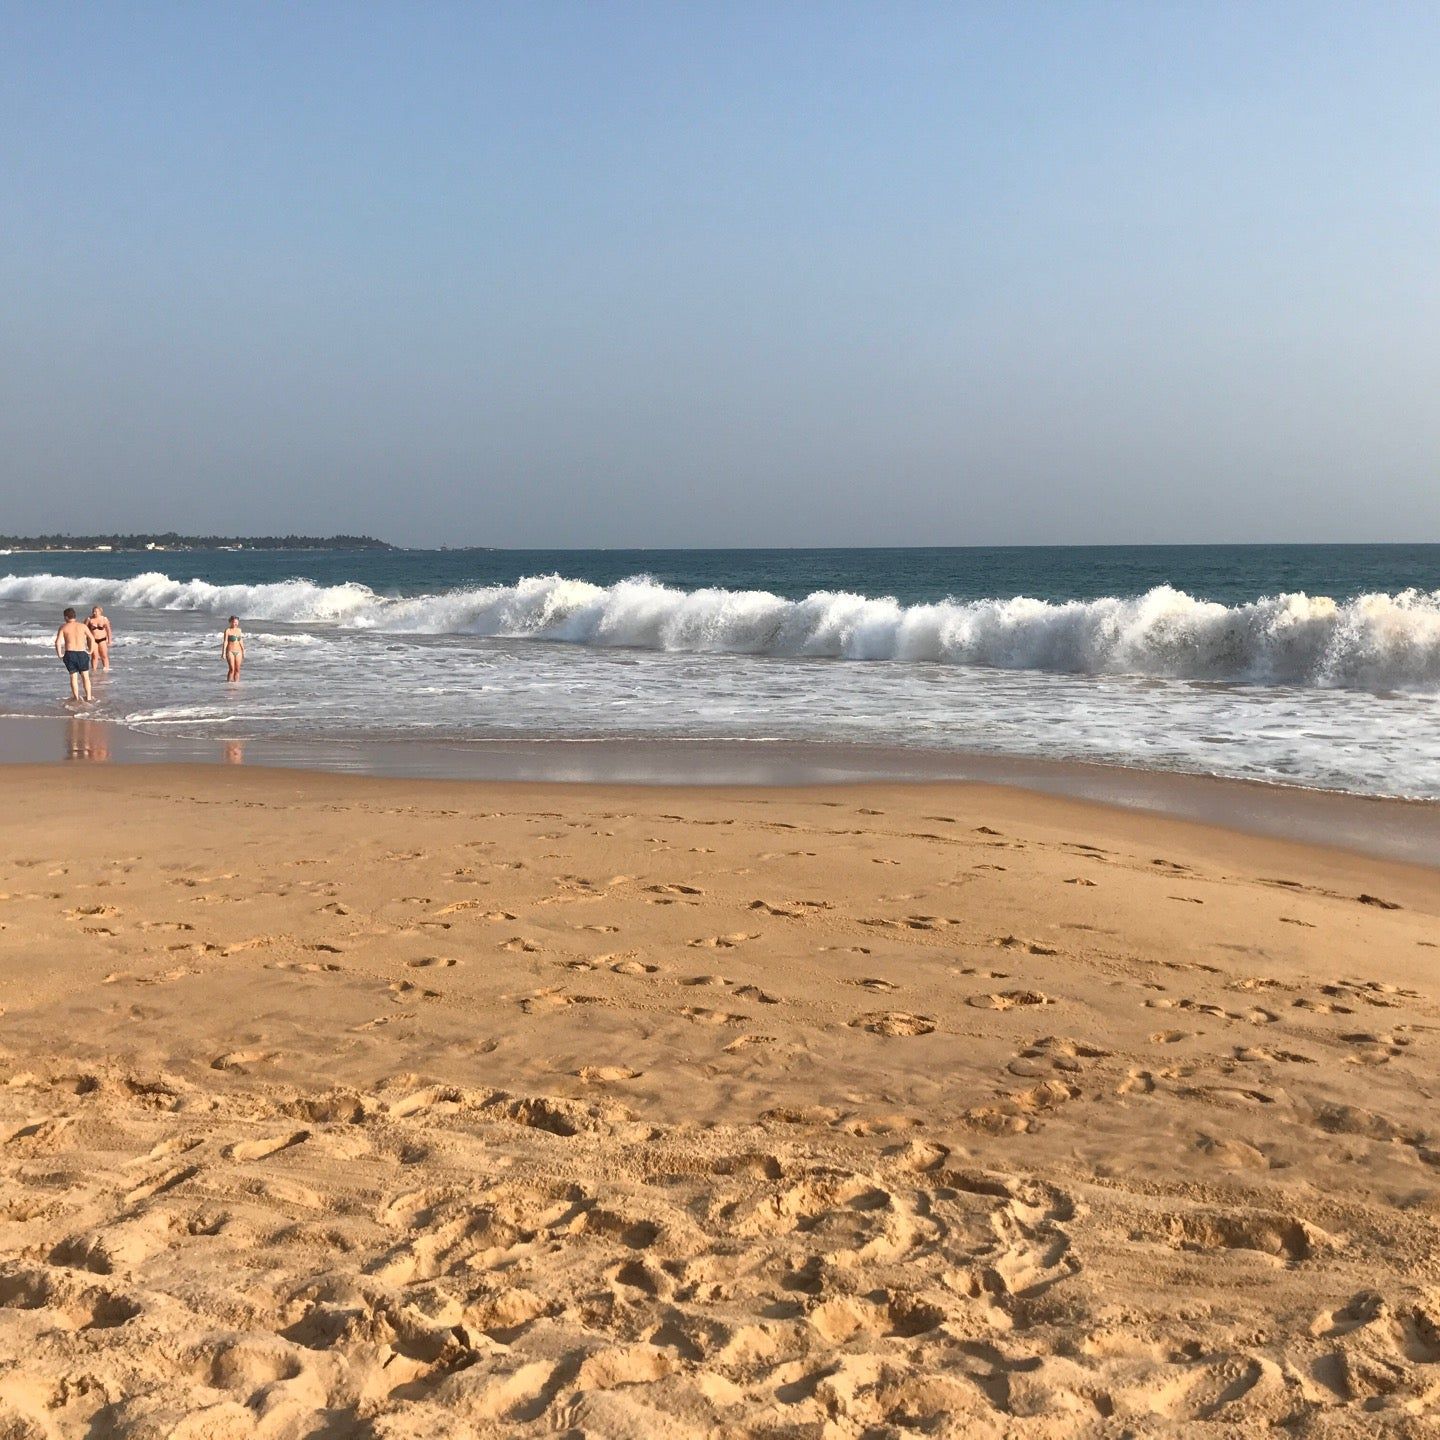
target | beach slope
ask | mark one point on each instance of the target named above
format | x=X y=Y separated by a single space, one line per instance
x=335 y=1106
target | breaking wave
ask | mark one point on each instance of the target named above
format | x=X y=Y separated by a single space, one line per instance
x=1374 y=642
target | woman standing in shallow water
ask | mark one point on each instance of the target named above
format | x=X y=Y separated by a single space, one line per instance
x=233 y=648
x=99 y=626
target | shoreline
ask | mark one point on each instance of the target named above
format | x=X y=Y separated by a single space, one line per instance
x=1383 y=826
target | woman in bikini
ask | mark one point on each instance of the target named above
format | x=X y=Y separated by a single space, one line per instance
x=232 y=646
x=100 y=630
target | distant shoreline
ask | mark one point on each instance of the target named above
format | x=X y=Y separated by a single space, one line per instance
x=157 y=544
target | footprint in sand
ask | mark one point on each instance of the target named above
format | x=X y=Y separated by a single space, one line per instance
x=404 y=992
x=429 y=962
x=1030 y=947
x=766 y=908
x=712 y=1017
x=241 y=1059
x=895 y=1023
x=179 y=1145
x=431 y=1100
x=633 y=967
x=458 y=906
x=166 y=977
x=744 y=1042
x=913 y=922
x=871 y=983
x=1008 y=1000
x=1056 y=1052
x=263 y=1149
x=724 y=942
x=170 y=1180
x=1321 y=1007
x=1250 y=1053
x=1285 y=1236
x=1371 y=992
x=606 y=1074
x=555 y=999
x=755 y=993
x=1373 y=1048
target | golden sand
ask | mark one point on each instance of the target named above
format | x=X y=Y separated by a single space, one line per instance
x=335 y=1107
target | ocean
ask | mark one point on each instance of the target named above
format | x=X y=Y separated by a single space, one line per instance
x=1315 y=666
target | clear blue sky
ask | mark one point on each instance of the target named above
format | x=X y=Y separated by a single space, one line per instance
x=782 y=273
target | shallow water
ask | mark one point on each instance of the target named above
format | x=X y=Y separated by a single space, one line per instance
x=1205 y=659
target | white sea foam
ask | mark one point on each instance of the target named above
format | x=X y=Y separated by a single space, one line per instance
x=1374 y=642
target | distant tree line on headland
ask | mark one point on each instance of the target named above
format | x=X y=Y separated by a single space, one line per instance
x=171 y=541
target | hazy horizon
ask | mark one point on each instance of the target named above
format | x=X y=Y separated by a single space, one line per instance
x=249 y=540
x=649 y=276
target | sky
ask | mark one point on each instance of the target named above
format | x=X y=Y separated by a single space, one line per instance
x=613 y=274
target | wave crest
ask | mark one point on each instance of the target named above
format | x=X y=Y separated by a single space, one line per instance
x=1375 y=641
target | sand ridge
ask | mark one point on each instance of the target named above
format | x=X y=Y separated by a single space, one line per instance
x=337 y=1107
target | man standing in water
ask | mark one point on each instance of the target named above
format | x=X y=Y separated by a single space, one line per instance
x=74 y=644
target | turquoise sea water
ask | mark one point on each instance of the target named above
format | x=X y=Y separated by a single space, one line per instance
x=1224 y=573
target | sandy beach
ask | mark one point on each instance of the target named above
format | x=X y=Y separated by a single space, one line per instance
x=334 y=1106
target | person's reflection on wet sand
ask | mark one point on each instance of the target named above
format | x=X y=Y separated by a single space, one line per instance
x=86 y=740
x=234 y=752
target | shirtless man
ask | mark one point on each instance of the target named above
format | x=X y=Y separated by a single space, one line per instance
x=99 y=626
x=74 y=644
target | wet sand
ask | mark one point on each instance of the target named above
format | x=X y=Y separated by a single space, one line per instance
x=1390 y=828
x=334 y=1105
